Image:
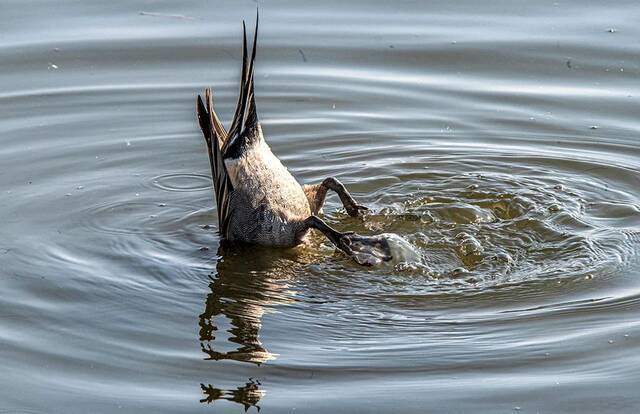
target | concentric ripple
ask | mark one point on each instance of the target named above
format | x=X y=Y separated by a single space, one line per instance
x=498 y=139
x=182 y=182
x=143 y=217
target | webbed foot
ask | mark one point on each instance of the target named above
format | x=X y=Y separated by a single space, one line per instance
x=367 y=250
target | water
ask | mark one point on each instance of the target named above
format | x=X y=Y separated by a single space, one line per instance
x=500 y=140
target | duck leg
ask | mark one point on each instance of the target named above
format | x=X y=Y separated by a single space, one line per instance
x=365 y=250
x=317 y=193
x=337 y=238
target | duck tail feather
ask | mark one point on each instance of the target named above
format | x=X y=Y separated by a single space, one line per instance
x=238 y=115
x=245 y=117
x=252 y=115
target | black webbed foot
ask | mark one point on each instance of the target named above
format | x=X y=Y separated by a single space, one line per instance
x=367 y=250
x=354 y=209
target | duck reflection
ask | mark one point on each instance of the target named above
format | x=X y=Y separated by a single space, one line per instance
x=248 y=395
x=247 y=284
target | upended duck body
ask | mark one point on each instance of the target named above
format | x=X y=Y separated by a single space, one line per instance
x=258 y=200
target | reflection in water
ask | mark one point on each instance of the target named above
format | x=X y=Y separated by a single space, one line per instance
x=249 y=281
x=243 y=307
x=248 y=395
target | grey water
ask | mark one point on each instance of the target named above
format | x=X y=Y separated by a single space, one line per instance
x=499 y=139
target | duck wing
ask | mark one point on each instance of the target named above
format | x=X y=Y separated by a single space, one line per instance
x=244 y=130
x=215 y=136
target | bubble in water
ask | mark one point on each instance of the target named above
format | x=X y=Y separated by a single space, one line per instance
x=401 y=250
x=369 y=250
x=468 y=245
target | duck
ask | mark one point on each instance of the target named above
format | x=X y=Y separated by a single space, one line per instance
x=258 y=200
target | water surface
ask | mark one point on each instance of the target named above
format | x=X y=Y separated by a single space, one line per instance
x=499 y=139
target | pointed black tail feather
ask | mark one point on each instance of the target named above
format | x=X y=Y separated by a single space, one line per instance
x=237 y=116
x=245 y=117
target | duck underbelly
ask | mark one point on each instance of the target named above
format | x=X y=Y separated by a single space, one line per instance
x=265 y=226
x=268 y=204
